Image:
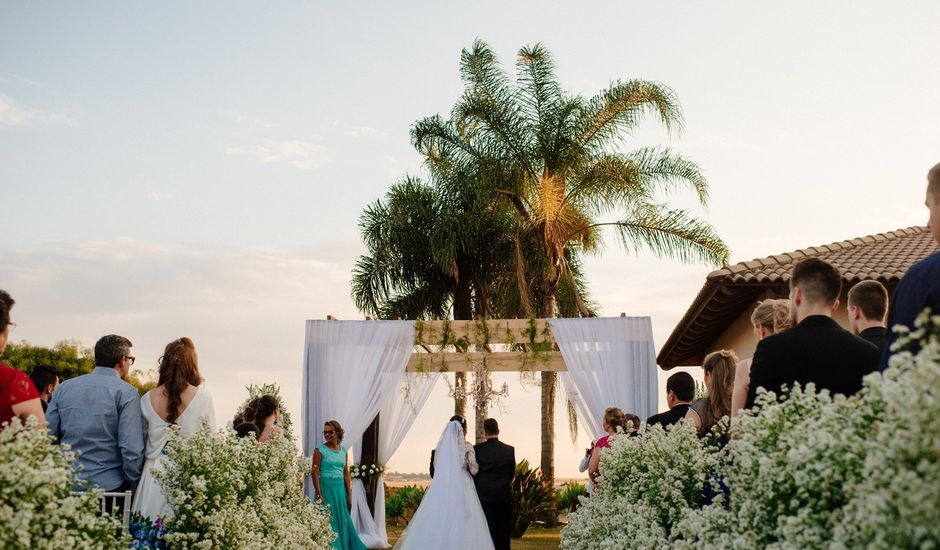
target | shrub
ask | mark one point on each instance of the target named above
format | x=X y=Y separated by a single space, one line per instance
x=569 y=497
x=532 y=495
x=895 y=497
x=647 y=485
x=806 y=471
x=37 y=507
x=404 y=503
x=230 y=492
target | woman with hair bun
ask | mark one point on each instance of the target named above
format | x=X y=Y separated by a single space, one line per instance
x=614 y=420
x=178 y=400
x=769 y=317
x=333 y=485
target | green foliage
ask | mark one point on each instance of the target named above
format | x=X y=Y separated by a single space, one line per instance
x=67 y=356
x=70 y=359
x=37 y=506
x=569 y=497
x=404 y=503
x=532 y=497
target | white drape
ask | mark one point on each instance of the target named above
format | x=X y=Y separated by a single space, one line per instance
x=398 y=413
x=611 y=363
x=350 y=367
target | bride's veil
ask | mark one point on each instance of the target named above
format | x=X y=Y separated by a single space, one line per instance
x=448 y=456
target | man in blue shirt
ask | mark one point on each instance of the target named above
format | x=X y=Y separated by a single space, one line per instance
x=920 y=286
x=98 y=415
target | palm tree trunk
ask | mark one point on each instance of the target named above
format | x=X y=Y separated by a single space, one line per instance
x=548 y=408
x=463 y=311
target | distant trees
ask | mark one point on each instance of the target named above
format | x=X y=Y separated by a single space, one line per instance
x=68 y=357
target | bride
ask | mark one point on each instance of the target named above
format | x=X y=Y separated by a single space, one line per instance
x=450 y=516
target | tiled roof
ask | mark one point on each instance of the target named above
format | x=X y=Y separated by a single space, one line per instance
x=729 y=291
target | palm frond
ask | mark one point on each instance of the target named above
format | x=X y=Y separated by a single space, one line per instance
x=661 y=168
x=672 y=234
x=619 y=108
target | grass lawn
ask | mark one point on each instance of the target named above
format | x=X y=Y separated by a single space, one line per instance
x=535 y=538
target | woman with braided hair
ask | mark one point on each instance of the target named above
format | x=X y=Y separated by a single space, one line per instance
x=178 y=400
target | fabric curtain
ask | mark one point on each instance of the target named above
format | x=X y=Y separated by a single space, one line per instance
x=396 y=416
x=350 y=367
x=395 y=420
x=611 y=363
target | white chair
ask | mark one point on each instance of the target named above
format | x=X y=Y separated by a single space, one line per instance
x=122 y=499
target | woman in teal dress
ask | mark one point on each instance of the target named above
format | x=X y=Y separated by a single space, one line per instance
x=330 y=473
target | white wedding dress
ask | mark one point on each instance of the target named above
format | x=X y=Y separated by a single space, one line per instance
x=149 y=500
x=450 y=516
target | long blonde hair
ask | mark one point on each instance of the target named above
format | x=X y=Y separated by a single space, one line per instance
x=720 y=365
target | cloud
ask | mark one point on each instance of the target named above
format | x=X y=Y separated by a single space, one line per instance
x=161 y=196
x=360 y=131
x=304 y=155
x=12 y=114
x=248 y=120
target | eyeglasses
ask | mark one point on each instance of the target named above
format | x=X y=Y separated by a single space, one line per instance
x=331 y=432
x=130 y=360
x=12 y=326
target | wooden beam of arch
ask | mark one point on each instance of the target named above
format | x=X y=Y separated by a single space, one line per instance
x=500 y=361
x=497 y=331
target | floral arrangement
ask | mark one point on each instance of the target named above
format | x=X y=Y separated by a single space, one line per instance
x=37 y=506
x=284 y=420
x=230 y=492
x=366 y=472
x=804 y=471
x=148 y=534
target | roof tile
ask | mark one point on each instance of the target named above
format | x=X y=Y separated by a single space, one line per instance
x=885 y=256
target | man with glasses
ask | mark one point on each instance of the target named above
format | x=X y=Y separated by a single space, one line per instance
x=98 y=415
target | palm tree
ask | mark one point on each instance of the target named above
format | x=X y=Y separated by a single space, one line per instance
x=555 y=161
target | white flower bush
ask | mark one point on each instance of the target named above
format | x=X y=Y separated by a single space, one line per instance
x=646 y=485
x=805 y=471
x=896 y=499
x=37 y=507
x=230 y=492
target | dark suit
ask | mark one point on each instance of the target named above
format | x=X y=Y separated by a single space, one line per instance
x=672 y=416
x=817 y=350
x=497 y=463
x=918 y=289
x=876 y=336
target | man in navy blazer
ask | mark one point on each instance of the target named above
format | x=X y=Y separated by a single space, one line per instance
x=920 y=286
x=817 y=349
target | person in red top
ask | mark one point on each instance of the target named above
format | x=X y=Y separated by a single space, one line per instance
x=614 y=418
x=18 y=395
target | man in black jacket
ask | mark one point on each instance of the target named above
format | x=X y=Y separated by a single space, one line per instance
x=817 y=350
x=867 y=305
x=680 y=390
x=497 y=463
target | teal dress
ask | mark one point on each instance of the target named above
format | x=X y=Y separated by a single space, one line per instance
x=333 y=491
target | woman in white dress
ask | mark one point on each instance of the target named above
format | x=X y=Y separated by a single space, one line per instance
x=450 y=516
x=177 y=400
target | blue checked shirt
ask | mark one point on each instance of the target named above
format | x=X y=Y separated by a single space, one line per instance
x=98 y=415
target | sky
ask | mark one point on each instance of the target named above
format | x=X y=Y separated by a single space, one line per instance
x=199 y=169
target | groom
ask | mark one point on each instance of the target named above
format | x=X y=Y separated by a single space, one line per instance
x=497 y=463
